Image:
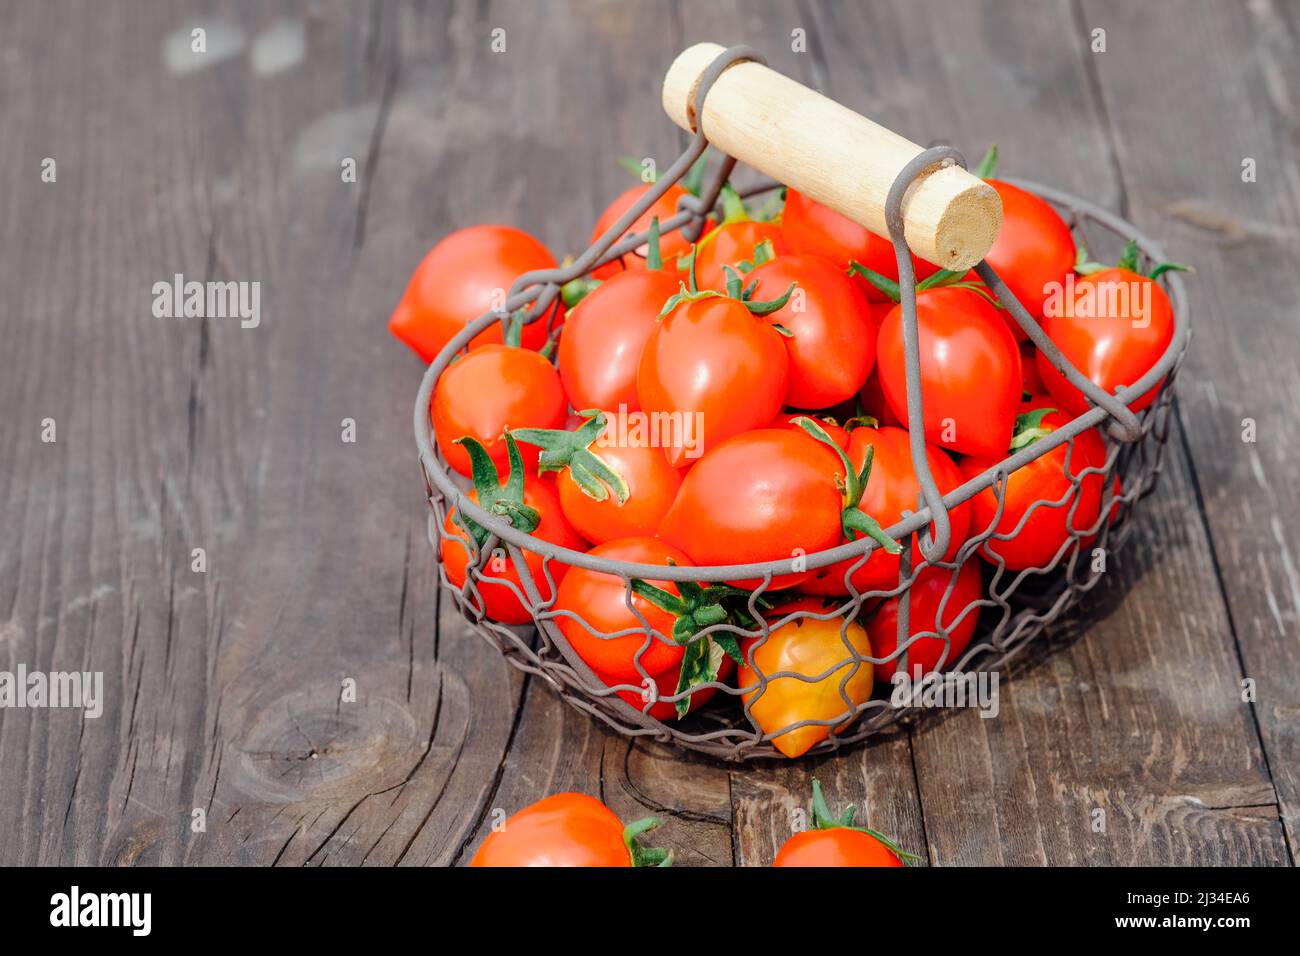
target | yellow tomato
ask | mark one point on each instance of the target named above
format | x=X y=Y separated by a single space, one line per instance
x=809 y=647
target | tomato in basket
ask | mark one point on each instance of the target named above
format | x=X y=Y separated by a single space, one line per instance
x=672 y=244
x=465 y=275
x=738 y=242
x=925 y=595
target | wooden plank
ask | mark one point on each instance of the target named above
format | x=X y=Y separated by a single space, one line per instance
x=1182 y=172
x=1140 y=718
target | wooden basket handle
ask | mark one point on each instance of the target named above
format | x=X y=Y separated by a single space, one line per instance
x=833 y=155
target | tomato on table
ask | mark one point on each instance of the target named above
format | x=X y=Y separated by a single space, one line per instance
x=532 y=507
x=837 y=841
x=465 y=275
x=925 y=594
x=806 y=646
x=831 y=341
x=810 y=227
x=488 y=391
x=1042 y=508
x=569 y=829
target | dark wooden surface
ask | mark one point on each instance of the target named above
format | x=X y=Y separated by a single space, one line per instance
x=223 y=688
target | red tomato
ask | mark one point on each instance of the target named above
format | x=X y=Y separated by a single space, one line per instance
x=731 y=244
x=604 y=335
x=715 y=370
x=567 y=829
x=762 y=496
x=494 y=388
x=836 y=431
x=925 y=594
x=813 y=228
x=652 y=485
x=839 y=846
x=970 y=370
x=1117 y=325
x=1042 y=491
x=1033 y=253
x=832 y=347
x=891 y=489
x=496 y=598
x=463 y=276
x=671 y=244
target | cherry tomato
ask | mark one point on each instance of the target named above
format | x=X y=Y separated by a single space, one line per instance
x=810 y=227
x=489 y=390
x=925 y=593
x=970 y=370
x=760 y=496
x=567 y=829
x=832 y=345
x=806 y=646
x=1117 y=325
x=462 y=277
x=835 y=841
x=601 y=600
x=891 y=489
x=671 y=244
x=605 y=334
x=652 y=485
x=711 y=370
x=1033 y=253
x=732 y=244
x=496 y=599
x=1042 y=492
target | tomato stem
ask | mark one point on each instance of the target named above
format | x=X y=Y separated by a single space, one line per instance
x=823 y=819
x=645 y=855
x=505 y=500
x=853 y=520
x=572 y=449
x=988 y=166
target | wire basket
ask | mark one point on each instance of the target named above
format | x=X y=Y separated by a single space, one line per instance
x=1014 y=607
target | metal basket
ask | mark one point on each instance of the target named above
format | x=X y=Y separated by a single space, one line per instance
x=1015 y=606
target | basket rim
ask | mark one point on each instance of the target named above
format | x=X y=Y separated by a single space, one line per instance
x=439 y=476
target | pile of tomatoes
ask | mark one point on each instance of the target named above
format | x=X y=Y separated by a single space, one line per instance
x=742 y=399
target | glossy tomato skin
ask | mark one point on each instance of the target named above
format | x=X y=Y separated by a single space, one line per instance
x=924 y=596
x=812 y=228
x=567 y=829
x=758 y=497
x=892 y=489
x=731 y=244
x=806 y=646
x=489 y=390
x=716 y=369
x=601 y=600
x=652 y=486
x=970 y=371
x=671 y=244
x=1113 y=341
x=837 y=846
x=499 y=602
x=1033 y=252
x=1049 y=524
x=461 y=278
x=605 y=334
x=832 y=347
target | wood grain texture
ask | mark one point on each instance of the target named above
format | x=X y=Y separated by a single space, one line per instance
x=224 y=689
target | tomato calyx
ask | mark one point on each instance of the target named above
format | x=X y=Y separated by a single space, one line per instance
x=645 y=855
x=1029 y=428
x=572 y=449
x=694 y=609
x=692 y=182
x=943 y=279
x=735 y=290
x=853 y=519
x=1128 y=261
x=823 y=819
x=505 y=500
x=988 y=165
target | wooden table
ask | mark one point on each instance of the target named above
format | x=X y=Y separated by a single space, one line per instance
x=222 y=687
